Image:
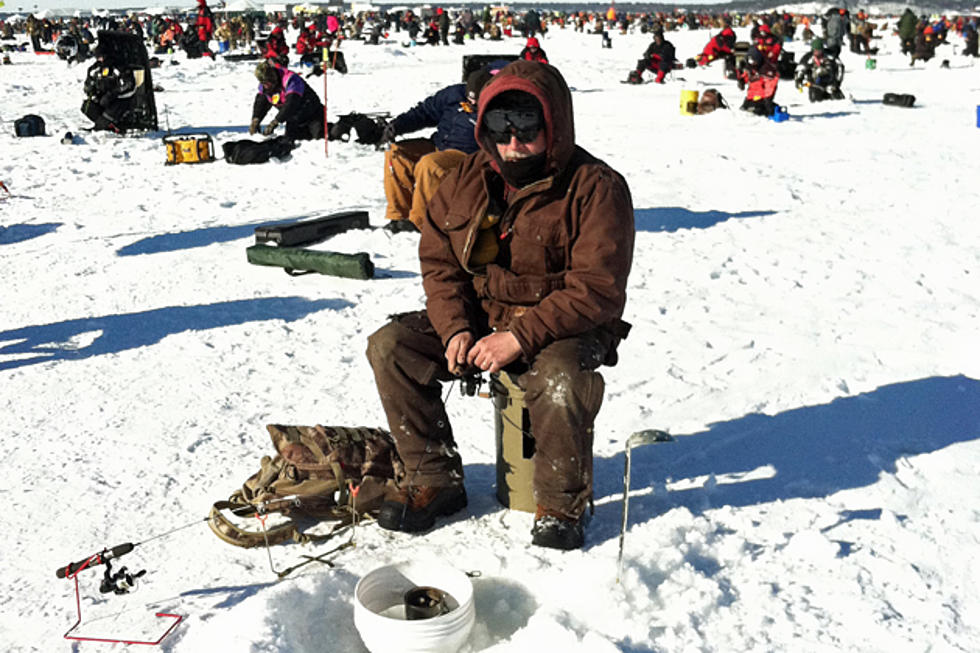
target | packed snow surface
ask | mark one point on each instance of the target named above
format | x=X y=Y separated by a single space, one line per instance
x=804 y=300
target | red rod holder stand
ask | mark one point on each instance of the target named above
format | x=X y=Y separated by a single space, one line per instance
x=78 y=604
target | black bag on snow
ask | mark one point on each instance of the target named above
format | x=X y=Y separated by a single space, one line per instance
x=245 y=152
x=369 y=129
x=29 y=125
x=899 y=99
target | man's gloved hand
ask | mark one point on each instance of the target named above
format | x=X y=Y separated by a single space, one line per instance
x=253 y=126
x=271 y=127
x=388 y=135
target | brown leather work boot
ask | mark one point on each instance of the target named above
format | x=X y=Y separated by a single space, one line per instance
x=556 y=530
x=415 y=508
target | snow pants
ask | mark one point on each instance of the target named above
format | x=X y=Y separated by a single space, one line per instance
x=413 y=172
x=563 y=394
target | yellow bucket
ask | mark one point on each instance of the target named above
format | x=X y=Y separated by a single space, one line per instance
x=689 y=103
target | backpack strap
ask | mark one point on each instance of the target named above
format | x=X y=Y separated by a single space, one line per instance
x=236 y=535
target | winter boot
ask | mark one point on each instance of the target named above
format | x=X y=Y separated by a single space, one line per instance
x=555 y=530
x=415 y=508
x=660 y=76
x=635 y=77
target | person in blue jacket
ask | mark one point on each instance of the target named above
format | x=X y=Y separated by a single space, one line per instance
x=414 y=167
x=299 y=106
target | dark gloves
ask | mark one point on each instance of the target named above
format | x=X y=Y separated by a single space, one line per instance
x=271 y=127
x=253 y=126
x=389 y=134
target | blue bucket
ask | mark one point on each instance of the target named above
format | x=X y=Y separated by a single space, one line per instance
x=978 y=115
x=780 y=114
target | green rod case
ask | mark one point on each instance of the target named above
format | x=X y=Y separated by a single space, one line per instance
x=293 y=259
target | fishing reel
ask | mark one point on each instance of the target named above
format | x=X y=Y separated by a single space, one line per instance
x=121 y=582
x=470 y=384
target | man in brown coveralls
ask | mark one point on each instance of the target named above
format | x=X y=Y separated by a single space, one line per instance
x=525 y=252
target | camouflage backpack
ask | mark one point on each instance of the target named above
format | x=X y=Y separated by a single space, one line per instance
x=319 y=472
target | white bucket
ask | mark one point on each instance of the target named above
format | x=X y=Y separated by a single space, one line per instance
x=379 y=609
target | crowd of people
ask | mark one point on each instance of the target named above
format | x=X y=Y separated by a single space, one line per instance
x=919 y=35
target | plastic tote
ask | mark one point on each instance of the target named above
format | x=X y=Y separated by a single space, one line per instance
x=689 y=103
x=379 y=609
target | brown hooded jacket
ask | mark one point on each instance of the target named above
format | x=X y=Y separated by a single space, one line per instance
x=568 y=237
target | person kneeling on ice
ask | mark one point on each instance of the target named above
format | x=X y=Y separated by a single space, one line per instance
x=299 y=106
x=761 y=77
x=415 y=167
x=721 y=46
x=109 y=89
x=525 y=254
x=821 y=72
x=659 y=57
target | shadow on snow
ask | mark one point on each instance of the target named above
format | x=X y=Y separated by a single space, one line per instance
x=17 y=233
x=203 y=237
x=813 y=451
x=115 y=333
x=674 y=218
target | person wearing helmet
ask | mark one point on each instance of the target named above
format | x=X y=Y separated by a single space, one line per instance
x=525 y=255
x=821 y=72
x=759 y=77
x=658 y=58
x=532 y=51
x=299 y=106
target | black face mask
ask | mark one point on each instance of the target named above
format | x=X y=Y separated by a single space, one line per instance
x=523 y=172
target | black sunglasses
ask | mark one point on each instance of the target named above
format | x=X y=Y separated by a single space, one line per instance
x=523 y=125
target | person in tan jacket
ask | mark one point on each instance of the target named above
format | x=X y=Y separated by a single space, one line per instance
x=525 y=253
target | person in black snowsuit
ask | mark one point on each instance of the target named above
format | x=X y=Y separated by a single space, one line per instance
x=970 y=40
x=835 y=24
x=821 y=72
x=299 y=106
x=532 y=23
x=658 y=58
x=443 y=21
x=108 y=90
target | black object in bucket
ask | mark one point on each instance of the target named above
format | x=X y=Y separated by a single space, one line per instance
x=29 y=125
x=899 y=99
x=424 y=603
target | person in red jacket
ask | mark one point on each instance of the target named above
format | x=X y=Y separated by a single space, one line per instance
x=205 y=22
x=768 y=44
x=310 y=44
x=759 y=77
x=532 y=51
x=276 y=48
x=721 y=46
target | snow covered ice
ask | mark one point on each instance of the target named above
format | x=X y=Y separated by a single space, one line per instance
x=804 y=297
